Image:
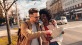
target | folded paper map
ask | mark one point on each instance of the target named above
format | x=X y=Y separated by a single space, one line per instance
x=55 y=31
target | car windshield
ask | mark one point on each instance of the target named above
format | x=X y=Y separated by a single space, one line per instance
x=57 y=18
x=63 y=18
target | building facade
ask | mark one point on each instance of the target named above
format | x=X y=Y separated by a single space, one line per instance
x=73 y=8
x=55 y=7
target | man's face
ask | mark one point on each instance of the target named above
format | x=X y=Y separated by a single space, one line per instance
x=35 y=17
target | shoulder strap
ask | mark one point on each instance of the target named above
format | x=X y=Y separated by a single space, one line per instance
x=29 y=24
x=46 y=28
x=38 y=29
x=37 y=26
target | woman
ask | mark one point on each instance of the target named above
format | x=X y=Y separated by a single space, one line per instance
x=46 y=19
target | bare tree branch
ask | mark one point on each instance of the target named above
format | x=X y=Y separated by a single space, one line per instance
x=1 y=5
x=11 y=4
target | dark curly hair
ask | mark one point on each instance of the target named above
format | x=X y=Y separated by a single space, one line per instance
x=45 y=11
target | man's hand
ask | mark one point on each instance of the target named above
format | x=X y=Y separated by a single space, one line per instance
x=48 y=32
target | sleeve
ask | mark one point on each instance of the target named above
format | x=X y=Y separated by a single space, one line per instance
x=28 y=33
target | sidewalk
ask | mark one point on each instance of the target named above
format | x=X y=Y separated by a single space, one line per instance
x=3 y=31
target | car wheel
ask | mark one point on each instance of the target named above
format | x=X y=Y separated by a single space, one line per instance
x=65 y=23
x=61 y=23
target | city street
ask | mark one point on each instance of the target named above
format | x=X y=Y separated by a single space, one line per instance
x=65 y=12
x=73 y=31
x=72 y=36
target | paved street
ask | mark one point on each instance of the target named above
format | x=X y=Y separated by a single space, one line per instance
x=72 y=36
x=73 y=31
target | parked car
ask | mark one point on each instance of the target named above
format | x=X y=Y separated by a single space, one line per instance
x=61 y=20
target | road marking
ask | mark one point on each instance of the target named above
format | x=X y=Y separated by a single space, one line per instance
x=73 y=27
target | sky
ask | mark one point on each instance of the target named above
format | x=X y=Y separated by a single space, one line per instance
x=25 y=5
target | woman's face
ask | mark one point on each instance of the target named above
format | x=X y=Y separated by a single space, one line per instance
x=44 y=18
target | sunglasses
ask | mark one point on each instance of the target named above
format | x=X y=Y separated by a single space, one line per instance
x=36 y=17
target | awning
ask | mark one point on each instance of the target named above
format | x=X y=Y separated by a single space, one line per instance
x=78 y=9
x=78 y=12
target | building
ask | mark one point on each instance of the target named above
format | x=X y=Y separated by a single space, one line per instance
x=48 y=3
x=55 y=7
x=72 y=8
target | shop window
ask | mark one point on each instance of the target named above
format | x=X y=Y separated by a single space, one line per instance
x=75 y=6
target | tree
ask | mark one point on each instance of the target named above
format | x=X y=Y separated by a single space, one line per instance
x=5 y=7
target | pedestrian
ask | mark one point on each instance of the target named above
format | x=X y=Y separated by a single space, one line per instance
x=11 y=21
x=30 y=32
x=46 y=19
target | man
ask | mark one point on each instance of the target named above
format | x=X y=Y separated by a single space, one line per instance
x=30 y=30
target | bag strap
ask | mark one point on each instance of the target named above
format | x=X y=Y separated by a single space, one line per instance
x=29 y=24
x=38 y=28
x=46 y=28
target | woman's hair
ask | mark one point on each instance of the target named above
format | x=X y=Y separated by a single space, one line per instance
x=46 y=12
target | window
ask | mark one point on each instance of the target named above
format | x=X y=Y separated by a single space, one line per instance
x=75 y=6
x=62 y=18
x=78 y=5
